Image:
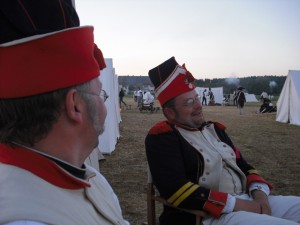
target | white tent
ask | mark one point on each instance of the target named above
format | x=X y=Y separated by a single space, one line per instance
x=250 y=98
x=217 y=91
x=288 y=104
x=108 y=139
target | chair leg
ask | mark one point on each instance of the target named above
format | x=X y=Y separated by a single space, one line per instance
x=151 y=205
x=198 y=220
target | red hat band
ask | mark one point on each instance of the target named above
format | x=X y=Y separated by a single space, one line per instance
x=48 y=62
x=177 y=83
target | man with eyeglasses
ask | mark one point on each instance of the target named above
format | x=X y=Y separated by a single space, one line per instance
x=195 y=165
x=51 y=113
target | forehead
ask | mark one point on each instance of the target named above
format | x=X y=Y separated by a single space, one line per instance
x=187 y=95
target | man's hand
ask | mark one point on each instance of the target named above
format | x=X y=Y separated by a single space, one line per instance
x=247 y=205
x=261 y=198
x=259 y=205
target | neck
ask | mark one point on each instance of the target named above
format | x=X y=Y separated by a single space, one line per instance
x=43 y=153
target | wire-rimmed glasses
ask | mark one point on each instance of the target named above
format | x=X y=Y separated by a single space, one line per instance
x=103 y=95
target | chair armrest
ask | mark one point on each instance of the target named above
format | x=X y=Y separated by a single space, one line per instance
x=196 y=212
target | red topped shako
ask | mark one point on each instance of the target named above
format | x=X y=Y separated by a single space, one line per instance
x=48 y=62
x=170 y=80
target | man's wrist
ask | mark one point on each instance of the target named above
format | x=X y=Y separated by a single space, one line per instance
x=257 y=193
x=230 y=203
x=259 y=187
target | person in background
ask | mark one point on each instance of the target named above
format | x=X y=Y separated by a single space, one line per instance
x=267 y=107
x=234 y=98
x=264 y=96
x=211 y=97
x=195 y=165
x=225 y=100
x=51 y=114
x=139 y=97
x=135 y=96
x=148 y=98
x=121 y=96
x=240 y=99
x=204 y=97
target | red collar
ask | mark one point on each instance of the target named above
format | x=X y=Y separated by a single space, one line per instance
x=184 y=126
x=40 y=166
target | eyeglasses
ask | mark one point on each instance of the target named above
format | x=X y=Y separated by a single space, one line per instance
x=102 y=94
x=191 y=101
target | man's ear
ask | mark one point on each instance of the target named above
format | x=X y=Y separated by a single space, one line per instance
x=170 y=113
x=74 y=105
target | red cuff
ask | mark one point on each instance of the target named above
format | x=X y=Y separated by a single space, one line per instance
x=256 y=178
x=215 y=203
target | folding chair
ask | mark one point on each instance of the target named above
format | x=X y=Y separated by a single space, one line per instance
x=152 y=197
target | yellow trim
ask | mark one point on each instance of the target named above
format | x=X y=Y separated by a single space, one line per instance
x=185 y=195
x=253 y=171
x=180 y=192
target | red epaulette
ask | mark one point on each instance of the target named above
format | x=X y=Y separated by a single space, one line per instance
x=219 y=125
x=160 y=128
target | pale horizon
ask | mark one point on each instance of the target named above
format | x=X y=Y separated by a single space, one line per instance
x=214 y=38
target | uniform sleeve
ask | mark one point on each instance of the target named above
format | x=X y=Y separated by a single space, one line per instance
x=169 y=171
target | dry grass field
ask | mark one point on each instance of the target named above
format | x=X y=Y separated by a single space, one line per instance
x=272 y=147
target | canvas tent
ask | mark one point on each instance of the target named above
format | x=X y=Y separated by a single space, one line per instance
x=217 y=91
x=288 y=104
x=250 y=98
x=108 y=139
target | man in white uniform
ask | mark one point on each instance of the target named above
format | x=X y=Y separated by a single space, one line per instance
x=148 y=98
x=195 y=165
x=51 y=114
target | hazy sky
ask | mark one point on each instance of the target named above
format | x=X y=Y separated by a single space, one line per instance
x=214 y=38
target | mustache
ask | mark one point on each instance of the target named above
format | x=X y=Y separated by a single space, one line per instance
x=197 y=112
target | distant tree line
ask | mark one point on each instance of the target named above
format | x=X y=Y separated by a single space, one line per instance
x=254 y=84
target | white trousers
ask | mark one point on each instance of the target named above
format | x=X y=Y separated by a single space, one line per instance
x=285 y=211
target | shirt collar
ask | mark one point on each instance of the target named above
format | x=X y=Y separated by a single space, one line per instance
x=41 y=166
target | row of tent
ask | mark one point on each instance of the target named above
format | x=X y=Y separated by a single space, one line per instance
x=219 y=95
x=288 y=104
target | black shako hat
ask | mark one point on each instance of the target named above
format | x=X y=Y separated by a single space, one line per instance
x=20 y=19
x=43 y=49
x=170 y=80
